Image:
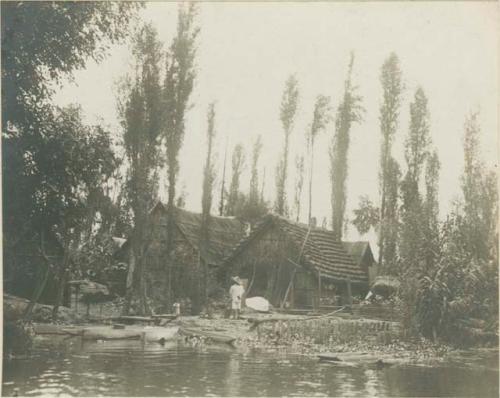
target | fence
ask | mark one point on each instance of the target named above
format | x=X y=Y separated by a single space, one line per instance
x=383 y=312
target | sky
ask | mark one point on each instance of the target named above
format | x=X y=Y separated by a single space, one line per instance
x=247 y=51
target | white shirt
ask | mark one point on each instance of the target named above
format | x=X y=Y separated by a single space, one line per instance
x=236 y=291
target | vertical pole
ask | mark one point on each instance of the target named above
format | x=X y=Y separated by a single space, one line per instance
x=314 y=295
x=77 y=294
x=319 y=289
x=349 y=292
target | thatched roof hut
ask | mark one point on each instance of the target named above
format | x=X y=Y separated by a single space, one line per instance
x=321 y=253
x=295 y=263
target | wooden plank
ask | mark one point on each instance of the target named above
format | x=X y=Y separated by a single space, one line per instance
x=164 y=316
x=349 y=292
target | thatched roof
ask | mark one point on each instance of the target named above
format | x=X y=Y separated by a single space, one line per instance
x=223 y=232
x=322 y=252
x=358 y=251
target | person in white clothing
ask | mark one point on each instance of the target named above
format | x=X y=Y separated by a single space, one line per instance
x=236 y=293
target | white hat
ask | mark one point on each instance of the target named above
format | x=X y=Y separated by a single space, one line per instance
x=236 y=279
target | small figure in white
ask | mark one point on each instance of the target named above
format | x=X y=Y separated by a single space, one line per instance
x=236 y=293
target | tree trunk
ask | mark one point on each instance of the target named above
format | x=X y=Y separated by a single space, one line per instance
x=310 y=182
x=170 y=235
x=39 y=290
x=62 y=277
x=36 y=295
x=129 y=284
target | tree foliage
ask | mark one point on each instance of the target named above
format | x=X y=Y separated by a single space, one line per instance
x=366 y=216
x=54 y=166
x=42 y=42
x=288 y=110
x=238 y=164
x=392 y=87
x=349 y=111
x=299 y=185
x=321 y=118
x=142 y=120
x=177 y=89
x=416 y=152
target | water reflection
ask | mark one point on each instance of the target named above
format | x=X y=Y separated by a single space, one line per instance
x=125 y=369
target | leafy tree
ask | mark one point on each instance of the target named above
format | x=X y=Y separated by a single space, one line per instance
x=42 y=42
x=288 y=110
x=178 y=85
x=299 y=184
x=67 y=175
x=142 y=119
x=366 y=216
x=223 y=200
x=392 y=214
x=321 y=118
x=479 y=192
x=431 y=209
x=254 y=206
x=416 y=152
x=392 y=87
x=209 y=171
x=348 y=112
x=457 y=298
x=238 y=164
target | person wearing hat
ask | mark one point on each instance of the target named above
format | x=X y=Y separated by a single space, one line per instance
x=236 y=293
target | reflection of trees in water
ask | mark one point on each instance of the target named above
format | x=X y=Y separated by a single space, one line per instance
x=346 y=387
x=373 y=387
x=233 y=381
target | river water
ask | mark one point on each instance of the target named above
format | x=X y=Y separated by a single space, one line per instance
x=70 y=368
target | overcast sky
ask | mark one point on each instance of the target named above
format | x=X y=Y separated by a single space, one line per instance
x=247 y=51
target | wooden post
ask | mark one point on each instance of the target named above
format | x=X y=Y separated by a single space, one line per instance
x=349 y=293
x=77 y=294
x=314 y=296
x=319 y=289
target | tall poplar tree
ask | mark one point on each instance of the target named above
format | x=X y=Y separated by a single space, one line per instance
x=321 y=118
x=431 y=209
x=178 y=85
x=416 y=153
x=348 y=112
x=288 y=110
x=206 y=203
x=299 y=185
x=392 y=87
x=238 y=164
x=141 y=119
x=479 y=195
x=253 y=194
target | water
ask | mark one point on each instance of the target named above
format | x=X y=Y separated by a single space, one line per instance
x=68 y=368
